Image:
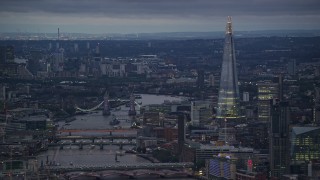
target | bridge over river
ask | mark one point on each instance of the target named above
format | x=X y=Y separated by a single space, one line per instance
x=93 y=138
x=115 y=166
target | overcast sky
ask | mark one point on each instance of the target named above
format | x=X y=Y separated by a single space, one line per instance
x=137 y=16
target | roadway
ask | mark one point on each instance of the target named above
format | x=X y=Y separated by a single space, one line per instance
x=95 y=130
x=114 y=166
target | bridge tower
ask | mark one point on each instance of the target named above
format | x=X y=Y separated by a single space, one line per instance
x=132 y=110
x=106 y=109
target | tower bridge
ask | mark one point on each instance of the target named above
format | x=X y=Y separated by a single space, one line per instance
x=106 y=108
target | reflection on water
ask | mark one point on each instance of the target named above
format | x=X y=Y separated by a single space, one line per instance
x=71 y=155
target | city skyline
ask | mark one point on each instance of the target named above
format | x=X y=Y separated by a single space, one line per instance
x=151 y=16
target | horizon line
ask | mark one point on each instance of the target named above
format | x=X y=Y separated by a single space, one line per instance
x=287 y=30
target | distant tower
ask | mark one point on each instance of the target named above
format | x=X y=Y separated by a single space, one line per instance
x=76 y=47
x=245 y=97
x=200 y=80
x=57 y=43
x=291 y=67
x=181 y=135
x=132 y=110
x=106 y=109
x=6 y=54
x=211 y=80
x=98 y=49
x=88 y=45
x=228 y=101
x=50 y=46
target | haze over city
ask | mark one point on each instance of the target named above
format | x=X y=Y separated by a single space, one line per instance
x=139 y=16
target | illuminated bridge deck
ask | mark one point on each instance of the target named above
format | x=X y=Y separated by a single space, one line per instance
x=95 y=130
x=130 y=137
x=84 y=168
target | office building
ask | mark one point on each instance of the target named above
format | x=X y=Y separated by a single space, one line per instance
x=245 y=96
x=279 y=138
x=291 y=67
x=6 y=54
x=267 y=90
x=181 y=131
x=211 y=80
x=228 y=101
x=221 y=167
x=200 y=80
x=305 y=144
x=201 y=112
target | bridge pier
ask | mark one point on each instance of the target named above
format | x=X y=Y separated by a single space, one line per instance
x=132 y=110
x=81 y=146
x=106 y=108
x=92 y=140
x=47 y=161
x=101 y=146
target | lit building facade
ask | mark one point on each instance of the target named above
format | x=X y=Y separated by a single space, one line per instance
x=221 y=167
x=266 y=90
x=201 y=112
x=305 y=144
x=228 y=102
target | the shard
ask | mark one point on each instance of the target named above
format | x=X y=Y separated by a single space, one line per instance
x=228 y=101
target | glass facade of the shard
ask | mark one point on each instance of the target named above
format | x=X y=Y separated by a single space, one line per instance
x=228 y=102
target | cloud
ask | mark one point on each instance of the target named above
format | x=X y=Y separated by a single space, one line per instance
x=167 y=13
x=182 y=8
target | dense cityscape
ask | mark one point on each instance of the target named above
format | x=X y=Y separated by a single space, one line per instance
x=233 y=107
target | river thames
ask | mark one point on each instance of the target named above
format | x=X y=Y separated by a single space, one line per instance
x=90 y=154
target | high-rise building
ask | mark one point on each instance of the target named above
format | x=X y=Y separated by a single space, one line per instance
x=201 y=112
x=76 y=47
x=221 y=167
x=200 y=80
x=58 y=60
x=266 y=90
x=34 y=61
x=291 y=67
x=6 y=54
x=211 y=80
x=245 y=96
x=305 y=143
x=279 y=138
x=228 y=102
x=181 y=131
x=97 y=50
x=316 y=109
